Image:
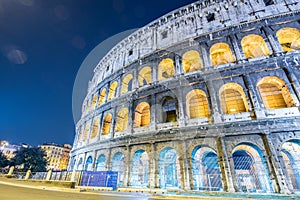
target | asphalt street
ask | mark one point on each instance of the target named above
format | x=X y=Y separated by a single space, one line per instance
x=9 y=192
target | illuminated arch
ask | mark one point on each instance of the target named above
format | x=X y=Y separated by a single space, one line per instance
x=197 y=104
x=275 y=93
x=89 y=164
x=100 y=163
x=254 y=46
x=127 y=83
x=112 y=90
x=95 y=128
x=106 y=124
x=191 y=61
x=94 y=102
x=205 y=169
x=220 y=53
x=117 y=165
x=102 y=96
x=166 y=69
x=122 y=120
x=142 y=114
x=139 y=169
x=169 y=109
x=289 y=39
x=145 y=76
x=233 y=99
x=87 y=131
x=250 y=169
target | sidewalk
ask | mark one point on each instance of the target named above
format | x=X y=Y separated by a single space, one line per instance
x=182 y=195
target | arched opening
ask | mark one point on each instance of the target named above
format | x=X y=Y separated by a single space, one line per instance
x=122 y=120
x=290 y=153
x=145 y=76
x=102 y=97
x=95 y=128
x=275 y=93
x=169 y=168
x=89 y=164
x=127 y=83
x=206 y=170
x=197 y=104
x=233 y=99
x=94 y=102
x=100 y=164
x=250 y=169
x=117 y=165
x=80 y=165
x=142 y=115
x=166 y=69
x=106 y=124
x=289 y=39
x=191 y=61
x=220 y=53
x=139 y=169
x=254 y=46
x=112 y=90
x=87 y=131
x=169 y=112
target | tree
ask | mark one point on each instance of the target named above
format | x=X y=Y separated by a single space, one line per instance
x=31 y=158
x=3 y=160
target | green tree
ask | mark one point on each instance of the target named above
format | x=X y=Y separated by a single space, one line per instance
x=3 y=160
x=32 y=158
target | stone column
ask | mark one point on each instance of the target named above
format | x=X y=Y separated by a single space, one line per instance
x=135 y=82
x=178 y=66
x=153 y=112
x=180 y=100
x=273 y=41
x=205 y=57
x=127 y=167
x=226 y=167
x=113 y=122
x=108 y=160
x=214 y=102
x=254 y=96
x=190 y=171
x=153 y=167
x=100 y=126
x=94 y=167
x=186 y=169
x=280 y=182
x=237 y=49
x=131 y=111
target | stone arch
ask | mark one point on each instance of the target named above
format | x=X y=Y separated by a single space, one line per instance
x=127 y=83
x=233 y=99
x=94 y=101
x=250 y=169
x=142 y=115
x=290 y=153
x=80 y=165
x=106 y=124
x=112 y=90
x=169 y=109
x=205 y=168
x=166 y=69
x=122 y=120
x=145 y=76
x=95 y=128
x=101 y=163
x=220 y=53
x=254 y=46
x=87 y=131
x=102 y=97
x=197 y=104
x=89 y=164
x=169 y=168
x=289 y=39
x=117 y=165
x=275 y=93
x=191 y=61
x=139 y=169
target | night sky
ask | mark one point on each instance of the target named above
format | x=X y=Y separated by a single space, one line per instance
x=42 y=46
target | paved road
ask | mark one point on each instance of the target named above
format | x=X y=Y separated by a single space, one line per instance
x=8 y=192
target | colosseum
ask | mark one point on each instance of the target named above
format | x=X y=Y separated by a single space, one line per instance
x=205 y=97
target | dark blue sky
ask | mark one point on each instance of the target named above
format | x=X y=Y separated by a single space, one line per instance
x=42 y=45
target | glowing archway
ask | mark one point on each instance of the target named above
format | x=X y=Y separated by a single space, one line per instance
x=145 y=76
x=254 y=46
x=142 y=114
x=122 y=120
x=106 y=124
x=166 y=69
x=220 y=53
x=95 y=128
x=102 y=97
x=139 y=169
x=112 y=90
x=127 y=83
x=197 y=104
x=289 y=39
x=191 y=61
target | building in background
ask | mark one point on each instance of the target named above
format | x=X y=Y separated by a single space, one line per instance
x=57 y=155
x=9 y=150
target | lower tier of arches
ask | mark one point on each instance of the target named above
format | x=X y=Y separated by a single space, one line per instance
x=259 y=163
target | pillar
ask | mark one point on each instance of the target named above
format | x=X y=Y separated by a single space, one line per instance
x=227 y=168
x=127 y=167
x=185 y=165
x=237 y=49
x=153 y=167
x=293 y=80
x=180 y=100
x=214 y=102
x=153 y=112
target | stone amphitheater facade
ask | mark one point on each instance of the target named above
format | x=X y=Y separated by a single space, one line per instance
x=205 y=97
